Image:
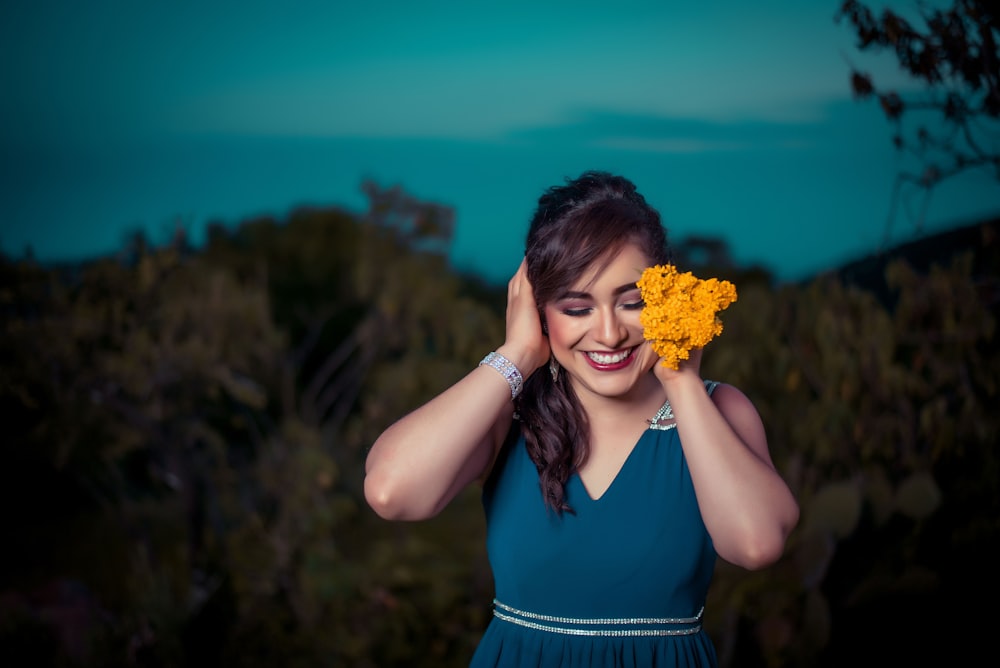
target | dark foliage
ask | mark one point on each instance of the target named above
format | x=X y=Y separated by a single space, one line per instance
x=955 y=120
x=186 y=432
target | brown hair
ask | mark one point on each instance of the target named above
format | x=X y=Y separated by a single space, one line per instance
x=587 y=220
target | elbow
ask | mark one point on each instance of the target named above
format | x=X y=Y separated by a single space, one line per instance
x=385 y=496
x=381 y=498
x=758 y=554
x=762 y=547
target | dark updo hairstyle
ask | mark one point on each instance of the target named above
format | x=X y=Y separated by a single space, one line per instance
x=584 y=222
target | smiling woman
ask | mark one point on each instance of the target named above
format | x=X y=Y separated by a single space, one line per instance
x=610 y=483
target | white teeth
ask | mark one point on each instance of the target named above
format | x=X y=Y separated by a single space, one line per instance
x=614 y=358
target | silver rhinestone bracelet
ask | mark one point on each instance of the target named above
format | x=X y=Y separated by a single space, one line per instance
x=507 y=370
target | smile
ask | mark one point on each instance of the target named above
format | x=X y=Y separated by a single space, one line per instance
x=616 y=360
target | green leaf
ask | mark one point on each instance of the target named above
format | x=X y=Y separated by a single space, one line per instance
x=918 y=496
x=836 y=508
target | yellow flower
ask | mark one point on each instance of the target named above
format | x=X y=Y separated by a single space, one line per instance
x=680 y=311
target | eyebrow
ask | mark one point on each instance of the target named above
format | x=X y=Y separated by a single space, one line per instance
x=621 y=289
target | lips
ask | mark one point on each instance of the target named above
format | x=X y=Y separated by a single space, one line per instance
x=612 y=361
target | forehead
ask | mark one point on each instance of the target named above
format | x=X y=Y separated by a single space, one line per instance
x=616 y=268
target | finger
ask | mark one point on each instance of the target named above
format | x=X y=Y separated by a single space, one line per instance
x=514 y=285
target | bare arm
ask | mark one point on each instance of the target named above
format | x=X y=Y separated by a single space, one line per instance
x=746 y=505
x=420 y=463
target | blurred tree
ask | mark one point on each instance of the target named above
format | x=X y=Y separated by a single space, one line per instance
x=377 y=324
x=185 y=442
x=955 y=57
x=882 y=421
x=129 y=381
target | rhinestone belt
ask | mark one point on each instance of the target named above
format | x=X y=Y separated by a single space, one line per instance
x=590 y=626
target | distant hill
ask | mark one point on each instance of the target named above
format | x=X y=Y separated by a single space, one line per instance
x=982 y=238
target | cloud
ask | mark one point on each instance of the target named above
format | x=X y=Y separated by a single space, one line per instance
x=664 y=134
x=679 y=145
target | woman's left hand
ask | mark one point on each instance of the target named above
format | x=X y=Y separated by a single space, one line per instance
x=690 y=366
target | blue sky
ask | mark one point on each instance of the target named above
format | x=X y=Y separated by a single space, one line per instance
x=734 y=118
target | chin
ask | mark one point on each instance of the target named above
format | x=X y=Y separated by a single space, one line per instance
x=614 y=388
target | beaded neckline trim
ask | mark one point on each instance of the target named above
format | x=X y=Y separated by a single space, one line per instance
x=667 y=413
x=611 y=627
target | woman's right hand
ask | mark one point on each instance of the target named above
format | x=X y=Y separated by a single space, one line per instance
x=526 y=344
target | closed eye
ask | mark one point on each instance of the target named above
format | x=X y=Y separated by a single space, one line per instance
x=634 y=306
x=576 y=312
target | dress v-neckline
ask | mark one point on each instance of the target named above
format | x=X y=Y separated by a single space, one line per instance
x=618 y=474
x=664 y=413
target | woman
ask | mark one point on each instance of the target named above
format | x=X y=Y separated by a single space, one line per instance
x=605 y=514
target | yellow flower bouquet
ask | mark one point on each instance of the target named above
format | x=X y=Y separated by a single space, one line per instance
x=681 y=311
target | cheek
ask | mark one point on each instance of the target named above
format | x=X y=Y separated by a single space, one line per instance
x=564 y=331
x=647 y=357
x=632 y=320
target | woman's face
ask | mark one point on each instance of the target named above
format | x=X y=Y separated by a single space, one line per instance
x=594 y=328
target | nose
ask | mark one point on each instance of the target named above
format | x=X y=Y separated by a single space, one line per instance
x=611 y=331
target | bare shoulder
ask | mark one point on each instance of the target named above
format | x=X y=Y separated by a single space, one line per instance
x=730 y=398
x=741 y=414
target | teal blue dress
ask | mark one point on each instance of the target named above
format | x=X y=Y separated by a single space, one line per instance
x=622 y=582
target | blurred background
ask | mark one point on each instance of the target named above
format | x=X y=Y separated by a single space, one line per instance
x=239 y=240
x=737 y=121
